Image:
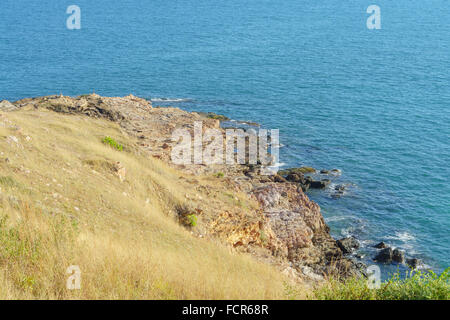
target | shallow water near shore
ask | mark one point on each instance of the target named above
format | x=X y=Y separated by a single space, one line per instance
x=372 y=103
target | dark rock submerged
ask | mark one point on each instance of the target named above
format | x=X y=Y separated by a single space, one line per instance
x=348 y=245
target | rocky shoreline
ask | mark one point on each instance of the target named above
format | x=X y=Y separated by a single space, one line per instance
x=284 y=228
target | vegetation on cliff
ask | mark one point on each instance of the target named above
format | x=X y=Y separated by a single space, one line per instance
x=63 y=203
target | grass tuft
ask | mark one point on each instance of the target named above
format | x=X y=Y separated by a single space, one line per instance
x=113 y=143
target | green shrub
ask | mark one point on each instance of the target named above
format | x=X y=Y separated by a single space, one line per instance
x=416 y=285
x=219 y=175
x=192 y=218
x=186 y=215
x=113 y=143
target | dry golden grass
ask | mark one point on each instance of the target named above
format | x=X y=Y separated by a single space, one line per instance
x=61 y=204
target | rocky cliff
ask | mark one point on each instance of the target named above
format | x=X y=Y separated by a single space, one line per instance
x=270 y=218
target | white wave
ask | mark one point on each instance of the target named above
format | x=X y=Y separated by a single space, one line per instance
x=170 y=99
x=402 y=236
x=339 y=218
x=278 y=164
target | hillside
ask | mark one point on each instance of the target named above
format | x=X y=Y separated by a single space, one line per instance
x=87 y=181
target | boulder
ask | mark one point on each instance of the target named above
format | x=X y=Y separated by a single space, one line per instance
x=320 y=184
x=380 y=245
x=398 y=256
x=413 y=262
x=348 y=245
x=323 y=171
x=295 y=177
x=278 y=178
x=297 y=170
x=339 y=191
x=384 y=256
x=307 y=170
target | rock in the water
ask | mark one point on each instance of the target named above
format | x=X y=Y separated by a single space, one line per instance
x=385 y=255
x=380 y=245
x=295 y=177
x=297 y=170
x=337 y=195
x=315 y=184
x=414 y=262
x=323 y=171
x=348 y=245
x=339 y=191
x=398 y=256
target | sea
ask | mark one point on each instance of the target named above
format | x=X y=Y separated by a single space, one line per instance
x=371 y=102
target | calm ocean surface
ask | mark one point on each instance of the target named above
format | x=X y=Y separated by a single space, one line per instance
x=373 y=103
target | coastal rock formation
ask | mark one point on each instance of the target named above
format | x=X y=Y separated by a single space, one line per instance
x=284 y=227
x=297 y=222
x=348 y=245
x=381 y=245
x=153 y=126
x=413 y=262
x=384 y=256
x=398 y=256
x=319 y=184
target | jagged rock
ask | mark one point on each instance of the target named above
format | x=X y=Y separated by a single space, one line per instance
x=212 y=115
x=295 y=177
x=384 y=256
x=278 y=178
x=348 y=245
x=315 y=184
x=381 y=245
x=398 y=256
x=301 y=170
x=413 y=262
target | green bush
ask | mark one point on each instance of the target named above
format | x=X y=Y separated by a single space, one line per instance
x=113 y=143
x=186 y=215
x=192 y=218
x=416 y=285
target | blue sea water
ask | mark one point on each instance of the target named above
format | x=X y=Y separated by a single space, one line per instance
x=373 y=103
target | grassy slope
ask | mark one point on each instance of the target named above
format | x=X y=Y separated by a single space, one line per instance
x=61 y=204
